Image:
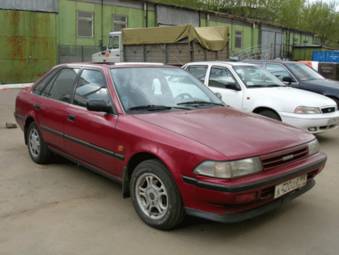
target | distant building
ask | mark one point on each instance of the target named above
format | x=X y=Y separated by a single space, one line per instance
x=38 y=34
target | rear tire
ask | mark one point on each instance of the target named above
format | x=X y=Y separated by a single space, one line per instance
x=270 y=114
x=155 y=196
x=37 y=148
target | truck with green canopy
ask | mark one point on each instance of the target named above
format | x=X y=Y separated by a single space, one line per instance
x=175 y=45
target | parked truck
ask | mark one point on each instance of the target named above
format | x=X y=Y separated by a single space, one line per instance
x=171 y=45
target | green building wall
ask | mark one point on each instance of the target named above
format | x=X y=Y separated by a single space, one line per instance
x=250 y=34
x=67 y=20
x=32 y=42
x=27 y=45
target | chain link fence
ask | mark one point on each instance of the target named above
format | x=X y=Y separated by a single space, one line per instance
x=75 y=53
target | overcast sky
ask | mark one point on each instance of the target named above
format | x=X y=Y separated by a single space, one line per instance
x=328 y=1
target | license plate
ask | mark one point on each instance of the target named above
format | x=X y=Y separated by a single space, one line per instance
x=289 y=186
x=333 y=121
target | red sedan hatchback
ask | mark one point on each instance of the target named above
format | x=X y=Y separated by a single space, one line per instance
x=174 y=146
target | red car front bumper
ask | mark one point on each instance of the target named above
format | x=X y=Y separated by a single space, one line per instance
x=244 y=200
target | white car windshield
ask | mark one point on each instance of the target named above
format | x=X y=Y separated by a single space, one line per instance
x=256 y=77
x=160 y=89
x=303 y=72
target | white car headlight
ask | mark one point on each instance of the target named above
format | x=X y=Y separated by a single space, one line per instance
x=307 y=110
x=229 y=169
x=313 y=147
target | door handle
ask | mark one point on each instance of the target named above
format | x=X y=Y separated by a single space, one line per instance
x=71 y=118
x=36 y=107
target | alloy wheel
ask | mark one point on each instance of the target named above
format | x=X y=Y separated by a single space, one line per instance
x=34 y=142
x=151 y=195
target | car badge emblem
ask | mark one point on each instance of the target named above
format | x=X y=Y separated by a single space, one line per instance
x=288 y=157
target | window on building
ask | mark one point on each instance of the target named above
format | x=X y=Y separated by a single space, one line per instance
x=238 y=39
x=119 y=22
x=85 y=24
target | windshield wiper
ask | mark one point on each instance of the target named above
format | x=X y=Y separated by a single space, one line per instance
x=264 y=86
x=199 y=102
x=256 y=86
x=152 y=107
x=273 y=85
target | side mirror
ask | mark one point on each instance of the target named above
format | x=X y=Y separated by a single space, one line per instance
x=202 y=79
x=99 y=106
x=287 y=80
x=218 y=95
x=232 y=85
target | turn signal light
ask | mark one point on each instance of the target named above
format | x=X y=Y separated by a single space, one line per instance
x=246 y=198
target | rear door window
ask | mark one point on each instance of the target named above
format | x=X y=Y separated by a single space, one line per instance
x=62 y=86
x=91 y=86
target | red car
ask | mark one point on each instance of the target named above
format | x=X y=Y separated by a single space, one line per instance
x=174 y=146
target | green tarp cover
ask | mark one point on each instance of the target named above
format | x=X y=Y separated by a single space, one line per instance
x=211 y=38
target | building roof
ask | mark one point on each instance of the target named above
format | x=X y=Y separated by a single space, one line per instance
x=230 y=63
x=228 y=16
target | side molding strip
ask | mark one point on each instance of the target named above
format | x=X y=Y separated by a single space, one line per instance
x=84 y=143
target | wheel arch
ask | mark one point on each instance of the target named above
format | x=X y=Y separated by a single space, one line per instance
x=259 y=109
x=132 y=163
x=28 y=121
x=335 y=98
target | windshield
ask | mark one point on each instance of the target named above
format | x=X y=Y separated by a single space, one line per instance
x=113 y=42
x=160 y=88
x=256 y=77
x=303 y=72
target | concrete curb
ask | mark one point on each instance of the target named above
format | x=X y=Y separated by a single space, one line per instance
x=15 y=86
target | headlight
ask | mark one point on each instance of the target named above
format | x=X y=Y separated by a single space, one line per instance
x=229 y=169
x=313 y=147
x=307 y=110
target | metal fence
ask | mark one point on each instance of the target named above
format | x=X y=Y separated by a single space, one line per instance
x=30 y=5
x=282 y=51
x=75 y=53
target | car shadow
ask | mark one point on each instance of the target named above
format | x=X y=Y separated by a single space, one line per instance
x=193 y=225
x=324 y=138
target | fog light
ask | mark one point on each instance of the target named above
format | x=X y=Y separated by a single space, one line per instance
x=312 y=129
x=245 y=198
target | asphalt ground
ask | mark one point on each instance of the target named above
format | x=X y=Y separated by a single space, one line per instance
x=65 y=209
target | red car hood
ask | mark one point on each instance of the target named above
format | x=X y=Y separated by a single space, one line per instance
x=232 y=133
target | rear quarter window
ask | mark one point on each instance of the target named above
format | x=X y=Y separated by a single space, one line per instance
x=198 y=72
x=42 y=83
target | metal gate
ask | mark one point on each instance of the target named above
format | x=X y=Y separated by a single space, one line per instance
x=76 y=53
x=272 y=43
x=175 y=16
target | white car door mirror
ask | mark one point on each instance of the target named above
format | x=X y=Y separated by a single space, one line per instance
x=287 y=80
x=218 y=95
x=232 y=86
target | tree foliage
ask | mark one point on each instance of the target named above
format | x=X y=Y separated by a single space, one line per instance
x=317 y=16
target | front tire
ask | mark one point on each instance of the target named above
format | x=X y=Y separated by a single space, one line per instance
x=155 y=196
x=37 y=148
x=270 y=114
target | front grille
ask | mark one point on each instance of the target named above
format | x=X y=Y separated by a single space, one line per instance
x=283 y=157
x=328 y=110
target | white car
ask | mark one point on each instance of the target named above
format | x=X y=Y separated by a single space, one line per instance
x=250 y=88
